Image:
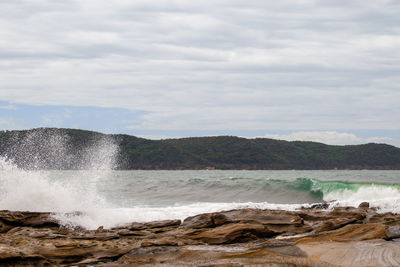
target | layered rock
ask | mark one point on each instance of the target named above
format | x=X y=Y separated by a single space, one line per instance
x=308 y=237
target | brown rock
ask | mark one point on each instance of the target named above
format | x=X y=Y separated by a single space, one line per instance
x=17 y=257
x=264 y=217
x=34 y=219
x=393 y=232
x=4 y=227
x=276 y=217
x=352 y=232
x=134 y=226
x=321 y=221
x=362 y=253
x=160 y=224
x=126 y=232
x=386 y=219
x=233 y=233
x=237 y=237
x=363 y=205
x=151 y=225
x=159 y=242
x=198 y=221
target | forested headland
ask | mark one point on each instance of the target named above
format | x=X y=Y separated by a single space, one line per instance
x=52 y=148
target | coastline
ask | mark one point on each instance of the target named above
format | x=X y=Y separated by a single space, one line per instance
x=308 y=237
x=30 y=149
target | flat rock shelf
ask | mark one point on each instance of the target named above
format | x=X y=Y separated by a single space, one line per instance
x=343 y=236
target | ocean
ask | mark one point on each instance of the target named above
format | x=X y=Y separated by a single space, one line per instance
x=108 y=198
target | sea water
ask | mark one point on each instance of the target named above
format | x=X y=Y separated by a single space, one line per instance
x=101 y=196
x=93 y=198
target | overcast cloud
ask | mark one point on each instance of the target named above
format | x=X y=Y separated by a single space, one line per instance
x=207 y=65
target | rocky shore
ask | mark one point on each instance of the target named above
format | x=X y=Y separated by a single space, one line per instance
x=250 y=237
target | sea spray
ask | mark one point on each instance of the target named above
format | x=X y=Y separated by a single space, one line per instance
x=384 y=198
x=40 y=149
x=59 y=149
x=24 y=190
x=30 y=188
x=101 y=158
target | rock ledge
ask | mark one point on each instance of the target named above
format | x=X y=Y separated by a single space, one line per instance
x=247 y=237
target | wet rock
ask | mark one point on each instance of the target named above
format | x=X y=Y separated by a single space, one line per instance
x=319 y=206
x=364 y=205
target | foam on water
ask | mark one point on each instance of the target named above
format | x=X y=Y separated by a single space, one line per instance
x=33 y=191
x=75 y=204
x=383 y=198
x=111 y=217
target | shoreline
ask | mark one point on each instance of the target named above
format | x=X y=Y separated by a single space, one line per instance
x=308 y=237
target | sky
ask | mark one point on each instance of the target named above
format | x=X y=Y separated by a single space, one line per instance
x=326 y=71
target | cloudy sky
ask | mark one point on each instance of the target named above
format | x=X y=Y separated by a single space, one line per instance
x=325 y=70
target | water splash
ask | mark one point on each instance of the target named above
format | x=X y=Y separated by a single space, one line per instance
x=32 y=189
x=58 y=149
x=383 y=198
x=40 y=149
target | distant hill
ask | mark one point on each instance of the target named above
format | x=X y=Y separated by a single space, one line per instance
x=51 y=148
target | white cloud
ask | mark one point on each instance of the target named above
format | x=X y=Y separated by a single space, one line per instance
x=208 y=64
x=9 y=106
x=329 y=137
x=9 y=123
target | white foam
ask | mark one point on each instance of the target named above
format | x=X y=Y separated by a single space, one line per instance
x=33 y=190
x=23 y=190
x=111 y=217
x=383 y=198
x=76 y=202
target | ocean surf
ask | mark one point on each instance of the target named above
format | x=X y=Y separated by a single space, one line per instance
x=109 y=198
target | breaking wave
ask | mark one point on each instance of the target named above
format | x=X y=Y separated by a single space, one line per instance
x=33 y=189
